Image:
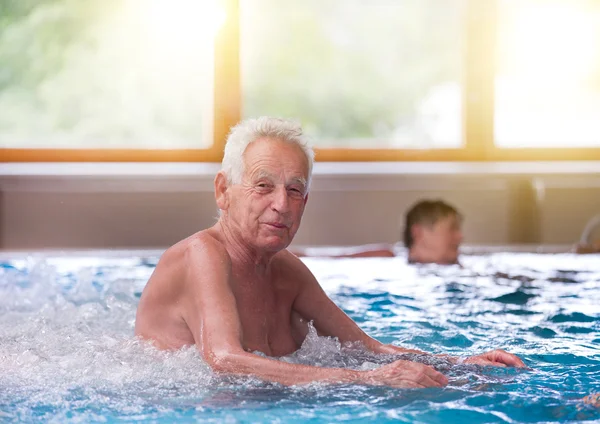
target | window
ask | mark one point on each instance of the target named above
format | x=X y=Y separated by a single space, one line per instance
x=358 y=74
x=164 y=80
x=108 y=74
x=548 y=74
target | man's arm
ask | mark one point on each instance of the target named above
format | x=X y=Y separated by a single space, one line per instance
x=364 y=251
x=212 y=316
x=313 y=304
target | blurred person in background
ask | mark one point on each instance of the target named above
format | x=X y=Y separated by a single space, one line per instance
x=432 y=234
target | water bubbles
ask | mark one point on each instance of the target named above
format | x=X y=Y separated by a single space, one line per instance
x=68 y=354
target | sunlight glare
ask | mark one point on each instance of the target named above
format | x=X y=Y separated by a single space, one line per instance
x=553 y=40
x=546 y=91
x=183 y=23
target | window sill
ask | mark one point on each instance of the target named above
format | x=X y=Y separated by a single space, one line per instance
x=167 y=169
x=327 y=176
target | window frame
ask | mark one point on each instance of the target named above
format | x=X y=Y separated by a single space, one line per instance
x=478 y=111
x=226 y=112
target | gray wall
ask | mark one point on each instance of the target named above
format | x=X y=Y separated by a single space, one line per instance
x=55 y=209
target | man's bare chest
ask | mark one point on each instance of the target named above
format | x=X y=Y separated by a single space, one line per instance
x=266 y=325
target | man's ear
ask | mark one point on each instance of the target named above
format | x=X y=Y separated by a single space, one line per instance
x=416 y=231
x=221 y=191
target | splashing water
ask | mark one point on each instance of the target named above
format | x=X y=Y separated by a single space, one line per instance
x=67 y=351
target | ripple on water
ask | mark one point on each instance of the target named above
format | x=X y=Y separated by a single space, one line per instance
x=518 y=297
x=574 y=317
x=546 y=333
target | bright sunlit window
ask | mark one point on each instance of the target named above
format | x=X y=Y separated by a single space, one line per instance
x=548 y=76
x=358 y=74
x=406 y=80
x=125 y=74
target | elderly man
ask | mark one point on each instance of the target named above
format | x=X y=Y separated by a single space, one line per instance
x=234 y=289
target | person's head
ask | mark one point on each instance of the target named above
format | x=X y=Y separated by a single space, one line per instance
x=432 y=232
x=264 y=181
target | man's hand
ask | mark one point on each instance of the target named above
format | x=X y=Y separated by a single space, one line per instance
x=496 y=358
x=406 y=374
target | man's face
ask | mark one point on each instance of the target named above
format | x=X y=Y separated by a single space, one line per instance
x=267 y=206
x=442 y=239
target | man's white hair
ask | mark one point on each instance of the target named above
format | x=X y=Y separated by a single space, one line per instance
x=251 y=130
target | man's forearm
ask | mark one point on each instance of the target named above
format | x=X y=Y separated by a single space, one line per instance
x=244 y=363
x=383 y=348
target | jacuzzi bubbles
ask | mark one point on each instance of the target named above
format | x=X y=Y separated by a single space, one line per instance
x=68 y=354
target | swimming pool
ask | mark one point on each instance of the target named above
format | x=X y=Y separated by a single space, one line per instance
x=67 y=352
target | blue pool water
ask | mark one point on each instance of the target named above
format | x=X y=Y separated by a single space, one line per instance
x=67 y=351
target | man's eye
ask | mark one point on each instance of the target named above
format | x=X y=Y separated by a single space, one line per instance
x=296 y=191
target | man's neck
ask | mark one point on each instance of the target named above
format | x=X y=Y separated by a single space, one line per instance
x=243 y=255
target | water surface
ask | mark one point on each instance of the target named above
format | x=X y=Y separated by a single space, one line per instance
x=67 y=351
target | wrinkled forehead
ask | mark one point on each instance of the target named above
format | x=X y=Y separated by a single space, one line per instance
x=269 y=157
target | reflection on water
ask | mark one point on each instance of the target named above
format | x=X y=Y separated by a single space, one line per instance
x=67 y=351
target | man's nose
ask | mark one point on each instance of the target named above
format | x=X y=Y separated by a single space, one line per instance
x=280 y=201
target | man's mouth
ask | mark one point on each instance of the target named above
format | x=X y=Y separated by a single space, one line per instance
x=276 y=225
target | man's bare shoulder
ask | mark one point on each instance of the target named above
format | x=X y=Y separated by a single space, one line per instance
x=291 y=268
x=202 y=246
x=287 y=258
